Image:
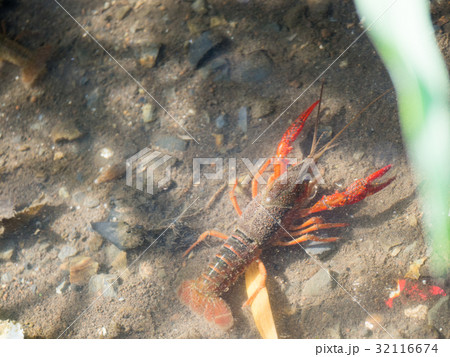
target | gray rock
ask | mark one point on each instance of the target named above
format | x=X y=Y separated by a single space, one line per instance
x=319 y=249
x=103 y=284
x=319 y=284
x=221 y=121
x=6 y=278
x=199 y=6
x=121 y=234
x=242 y=119
x=6 y=252
x=201 y=47
x=149 y=55
x=438 y=316
x=171 y=143
x=61 y=287
x=122 y=12
x=256 y=67
x=262 y=107
x=66 y=252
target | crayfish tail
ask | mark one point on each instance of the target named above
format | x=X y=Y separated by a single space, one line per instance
x=213 y=308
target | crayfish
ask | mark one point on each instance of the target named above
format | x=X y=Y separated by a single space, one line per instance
x=267 y=221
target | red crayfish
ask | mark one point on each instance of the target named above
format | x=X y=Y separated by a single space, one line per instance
x=266 y=221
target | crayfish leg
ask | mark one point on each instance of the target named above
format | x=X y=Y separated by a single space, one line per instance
x=305 y=238
x=203 y=236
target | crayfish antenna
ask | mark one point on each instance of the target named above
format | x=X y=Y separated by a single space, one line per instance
x=331 y=144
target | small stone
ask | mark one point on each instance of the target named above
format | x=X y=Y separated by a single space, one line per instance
x=418 y=313
x=66 y=252
x=106 y=153
x=199 y=6
x=324 y=132
x=63 y=193
x=120 y=234
x=58 y=155
x=414 y=269
x=319 y=284
x=438 y=316
x=358 y=155
x=262 y=107
x=6 y=253
x=24 y=147
x=201 y=47
x=149 y=55
x=256 y=67
x=10 y=330
x=171 y=143
x=394 y=252
x=119 y=264
x=81 y=269
x=122 y=12
x=325 y=33
x=318 y=9
x=343 y=64
x=95 y=242
x=147 y=113
x=110 y=173
x=104 y=285
x=66 y=131
x=319 y=249
x=412 y=221
x=6 y=278
x=216 y=21
x=145 y=270
x=91 y=202
x=242 y=119
x=221 y=121
x=61 y=287
x=218 y=139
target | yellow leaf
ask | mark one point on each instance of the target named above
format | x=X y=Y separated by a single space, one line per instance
x=261 y=311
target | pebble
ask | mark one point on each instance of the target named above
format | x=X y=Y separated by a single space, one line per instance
x=221 y=122
x=201 y=47
x=412 y=221
x=318 y=9
x=149 y=55
x=319 y=249
x=145 y=270
x=10 y=330
x=6 y=278
x=358 y=155
x=324 y=132
x=318 y=285
x=120 y=234
x=256 y=67
x=103 y=284
x=66 y=131
x=147 y=113
x=91 y=202
x=66 y=252
x=63 y=193
x=242 y=119
x=61 y=287
x=199 y=6
x=343 y=64
x=122 y=12
x=6 y=253
x=216 y=21
x=106 y=153
x=438 y=316
x=110 y=173
x=171 y=143
x=262 y=107
x=418 y=313
x=58 y=155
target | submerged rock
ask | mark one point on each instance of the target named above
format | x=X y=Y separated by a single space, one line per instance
x=256 y=67
x=121 y=234
x=10 y=330
x=104 y=285
x=319 y=284
x=81 y=269
x=201 y=47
